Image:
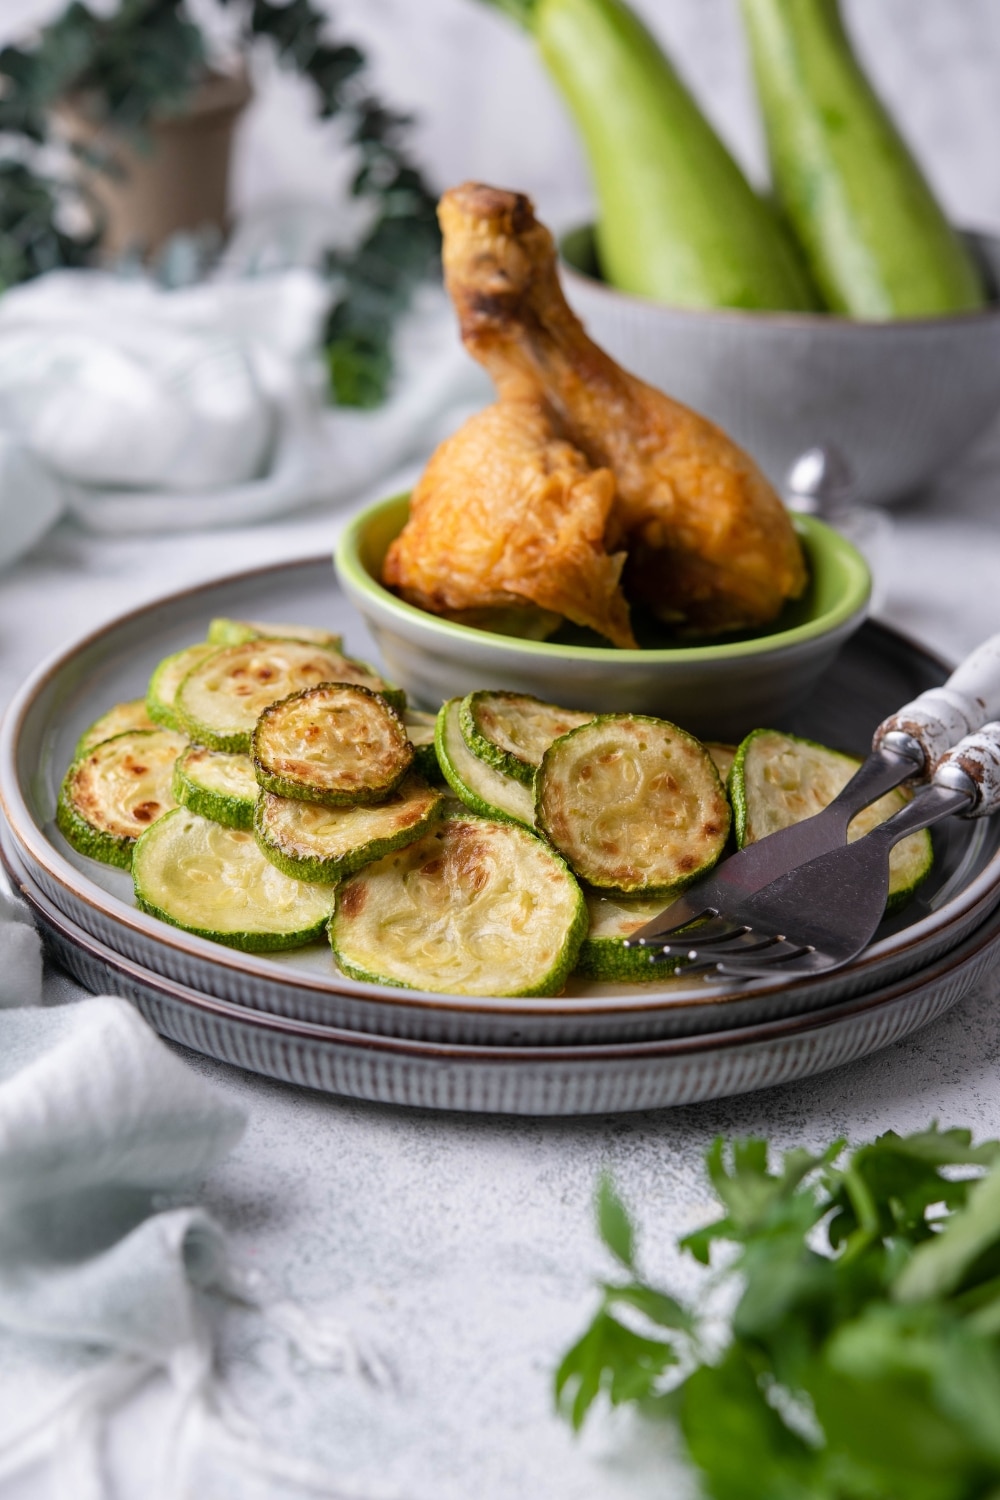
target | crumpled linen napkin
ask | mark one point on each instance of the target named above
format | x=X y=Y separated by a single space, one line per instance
x=105 y=1136
x=141 y=409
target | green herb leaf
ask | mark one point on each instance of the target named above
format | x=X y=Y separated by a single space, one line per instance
x=614 y=1224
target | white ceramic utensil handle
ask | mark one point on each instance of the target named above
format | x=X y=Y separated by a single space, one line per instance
x=940 y=717
x=975 y=760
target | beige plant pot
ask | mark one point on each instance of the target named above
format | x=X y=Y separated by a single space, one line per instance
x=179 y=182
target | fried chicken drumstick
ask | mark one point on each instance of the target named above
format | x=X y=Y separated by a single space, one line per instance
x=535 y=499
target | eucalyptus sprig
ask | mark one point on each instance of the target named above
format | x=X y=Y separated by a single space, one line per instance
x=147 y=58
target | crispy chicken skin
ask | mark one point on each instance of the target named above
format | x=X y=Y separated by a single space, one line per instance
x=710 y=546
x=507 y=513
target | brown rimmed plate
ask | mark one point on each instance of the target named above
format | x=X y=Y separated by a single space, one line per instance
x=877 y=671
x=576 y=1080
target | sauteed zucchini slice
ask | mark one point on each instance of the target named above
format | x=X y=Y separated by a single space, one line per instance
x=474 y=907
x=722 y=756
x=312 y=842
x=222 y=697
x=420 y=728
x=218 y=784
x=334 y=744
x=215 y=882
x=113 y=793
x=481 y=787
x=634 y=803
x=161 y=695
x=131 y=715
x=778 y=779
x=613 y=919
x=512 y=731
x=225 y=632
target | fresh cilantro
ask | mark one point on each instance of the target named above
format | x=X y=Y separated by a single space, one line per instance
x=863 y=1352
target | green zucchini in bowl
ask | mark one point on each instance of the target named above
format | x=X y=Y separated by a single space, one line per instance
x=214 y=881
x=474 y=907
x=112 y=794
x=634 y=803
x=221 y=698
x=512 y=731
x=312 y=842
x=217 y=784
x=778 y=779
x=480 y=786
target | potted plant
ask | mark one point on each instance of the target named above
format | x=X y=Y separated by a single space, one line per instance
x=148 y=114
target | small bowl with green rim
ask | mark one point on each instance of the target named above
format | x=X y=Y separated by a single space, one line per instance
x=720 y=689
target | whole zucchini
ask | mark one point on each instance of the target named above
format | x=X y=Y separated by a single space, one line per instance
x=876 y=240
x=677 y=219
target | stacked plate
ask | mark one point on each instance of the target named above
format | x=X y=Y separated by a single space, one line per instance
x=595 y=1048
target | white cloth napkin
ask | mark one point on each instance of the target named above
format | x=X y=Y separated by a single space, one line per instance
x=142 y=409
x=105 y=1137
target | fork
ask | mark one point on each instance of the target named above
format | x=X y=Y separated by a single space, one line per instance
x=820 y=916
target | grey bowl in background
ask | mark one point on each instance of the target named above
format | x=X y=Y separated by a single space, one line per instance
x=901 y=399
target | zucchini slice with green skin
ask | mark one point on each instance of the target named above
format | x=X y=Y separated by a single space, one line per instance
x=482 y=788
x=335 y=744
x=215 y=882
x=161 y=695
x=778 y=779
x=512 y=731
x=225 y=632
x=112 y=794
x=474 y=907
x=217 y=784
x=312 y=842
x=613 y=919
x=124 y=716
x=634 y=803
x=722 y=756
x=420 y=727
x=222 y=697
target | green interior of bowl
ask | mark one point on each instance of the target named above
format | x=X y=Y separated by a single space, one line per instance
x=839 y=586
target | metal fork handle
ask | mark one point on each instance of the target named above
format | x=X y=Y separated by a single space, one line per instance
x=874 y=777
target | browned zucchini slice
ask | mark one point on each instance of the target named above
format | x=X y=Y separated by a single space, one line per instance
x=332 y=744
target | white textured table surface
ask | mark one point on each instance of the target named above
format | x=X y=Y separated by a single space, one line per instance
x=462 y=1248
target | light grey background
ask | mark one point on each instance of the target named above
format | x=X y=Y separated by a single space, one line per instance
x=486 y=108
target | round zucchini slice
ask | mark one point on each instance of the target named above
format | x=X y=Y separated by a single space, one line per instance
x=226 y=632
x=112 y=794
x=221 y=698
x=482 y=788
x=218 y=784
x=512 y=731
x=722 y=757
x=778 y=779
x=634 y=803
x=613 y=919
x=420 y=728
x=474 y=907
x=312 y=842
x=161 y=695
x=215 y=882
x=117 y=720
x=333 y=744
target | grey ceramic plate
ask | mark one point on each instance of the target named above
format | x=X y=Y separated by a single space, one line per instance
x=580 y=1080
x=876 y=672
